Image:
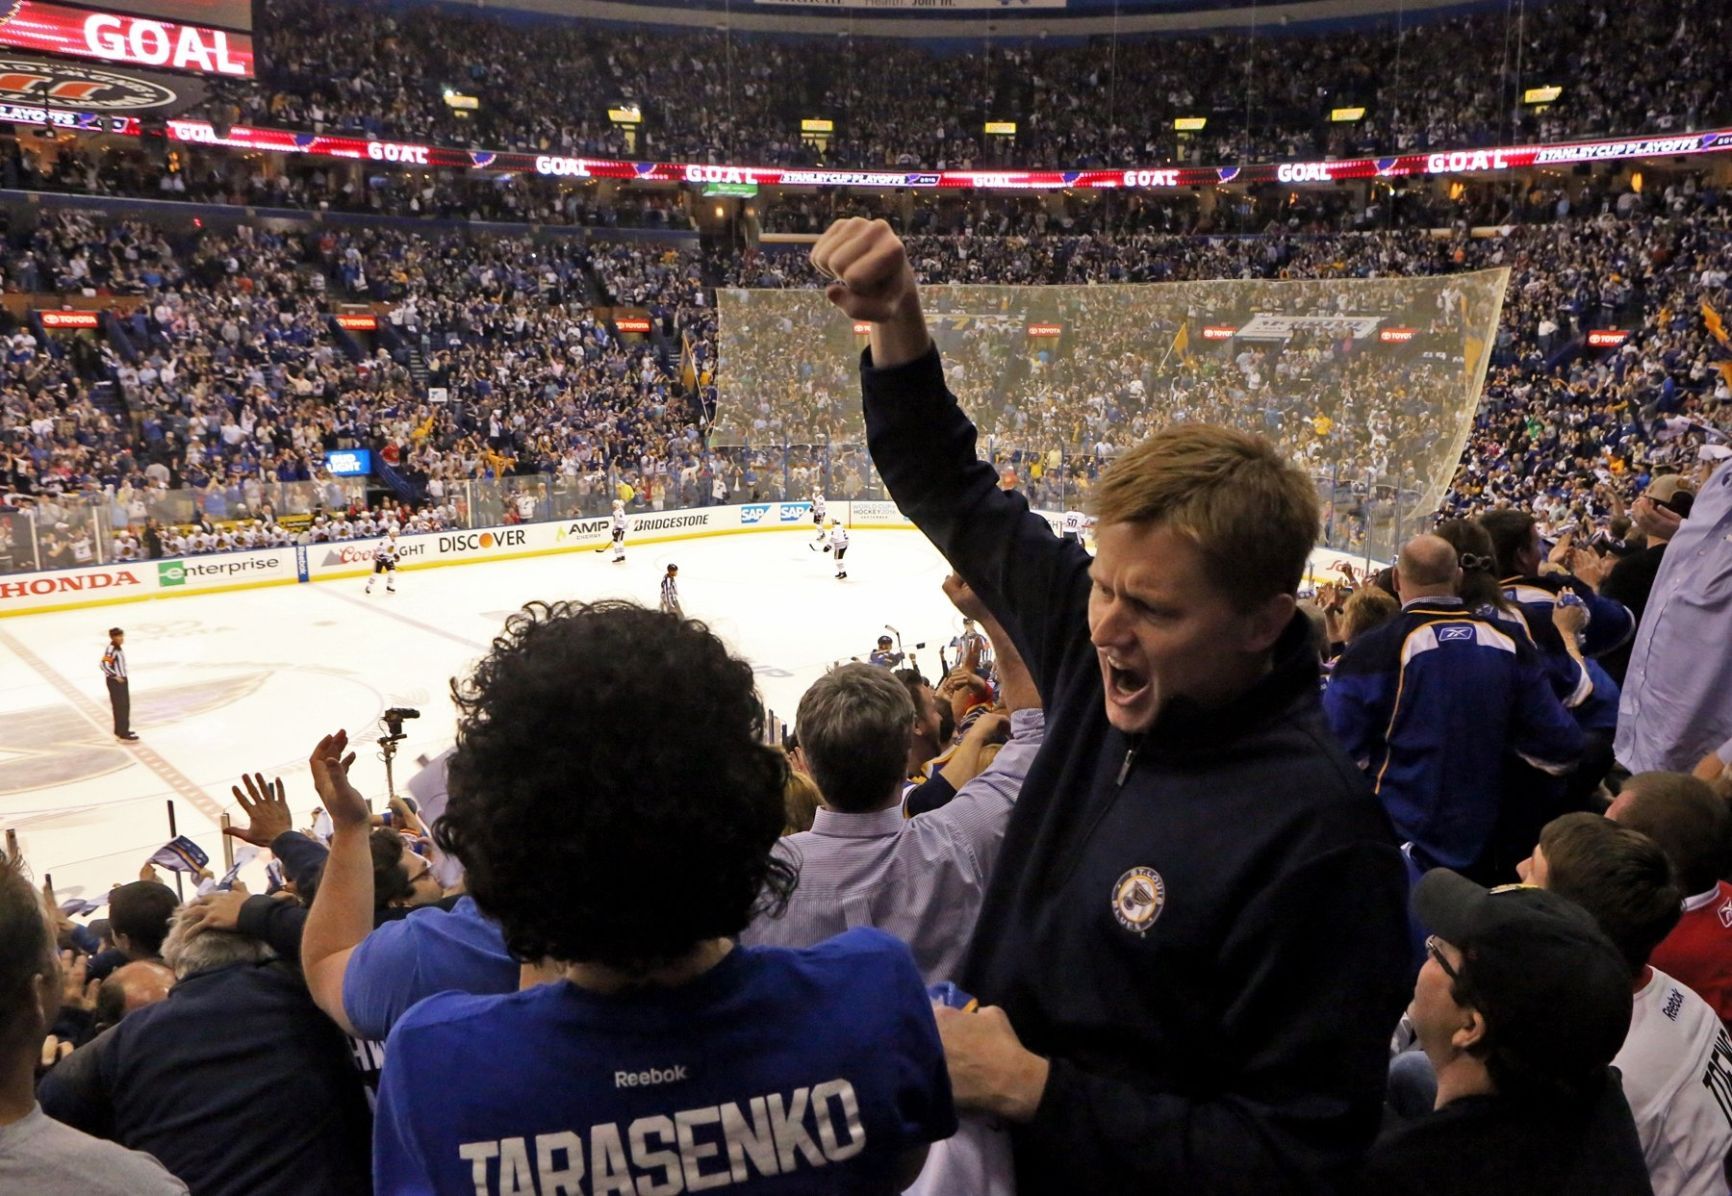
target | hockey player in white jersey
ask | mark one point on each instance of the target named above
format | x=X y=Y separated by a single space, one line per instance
x=619 y=530
x=385 y=561
x=839 y=547
x=1073 y=523
x=820 y=511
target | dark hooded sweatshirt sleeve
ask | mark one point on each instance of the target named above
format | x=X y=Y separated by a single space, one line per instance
x=1237 y=1042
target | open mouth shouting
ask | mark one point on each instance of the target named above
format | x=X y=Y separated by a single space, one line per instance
x=1129 y=692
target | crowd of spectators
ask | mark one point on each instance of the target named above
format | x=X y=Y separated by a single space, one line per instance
x=231 y=384
x=880 y=945
x=1568 y=434
x=1136 y=901
x=204 y=175
x=384 y=70
x=214 y=176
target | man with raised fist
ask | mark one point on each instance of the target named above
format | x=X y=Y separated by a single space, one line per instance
x=1194 y=949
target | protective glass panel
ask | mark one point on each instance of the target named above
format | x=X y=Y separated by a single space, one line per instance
x=1369 y=383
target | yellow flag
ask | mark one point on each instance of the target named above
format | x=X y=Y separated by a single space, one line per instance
x=1716 y=324
x=1182 y=342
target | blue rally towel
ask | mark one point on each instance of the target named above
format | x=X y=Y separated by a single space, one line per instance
x=181 y=854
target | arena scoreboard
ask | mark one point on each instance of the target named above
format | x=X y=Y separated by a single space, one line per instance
x=211 y=38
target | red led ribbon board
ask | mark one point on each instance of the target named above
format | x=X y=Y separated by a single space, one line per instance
x=123 y=38
x=411 y=154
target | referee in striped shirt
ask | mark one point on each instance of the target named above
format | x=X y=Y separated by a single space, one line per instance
x=119 y=695
x=671 y=592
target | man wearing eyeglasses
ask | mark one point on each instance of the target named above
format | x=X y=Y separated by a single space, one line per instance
x=1520 y=1008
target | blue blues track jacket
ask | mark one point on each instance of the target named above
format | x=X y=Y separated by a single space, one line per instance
x=1429 y=704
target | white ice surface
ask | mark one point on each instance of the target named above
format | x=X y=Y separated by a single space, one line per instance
x=248 y=681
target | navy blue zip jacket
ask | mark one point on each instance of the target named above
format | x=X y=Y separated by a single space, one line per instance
x=1202 y=929
x=237 y=1082
x=1588 y=690
x=1430 y=704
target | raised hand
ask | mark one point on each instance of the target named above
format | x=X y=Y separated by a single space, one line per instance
x=964 y=599
x=330 y=767
x=868 y=268
x=1570 y=619
x=1659 y=523
x=266 y=809
x=1590 y=567
x=53 y=1051
x=218 y=911
x=75 y=991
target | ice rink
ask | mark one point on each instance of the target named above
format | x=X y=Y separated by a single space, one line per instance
x=248 y=681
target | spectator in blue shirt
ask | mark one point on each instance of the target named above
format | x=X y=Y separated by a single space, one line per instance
x=1430 y=703
x=1606 y=625
x=660 y=1054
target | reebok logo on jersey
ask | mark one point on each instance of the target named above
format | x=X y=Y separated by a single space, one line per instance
x=1446 y=634
x=644 y=1079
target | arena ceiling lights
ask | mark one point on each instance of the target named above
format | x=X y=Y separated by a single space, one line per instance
x=1458 y=162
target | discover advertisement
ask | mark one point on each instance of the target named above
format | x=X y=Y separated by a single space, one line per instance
x=24 y=593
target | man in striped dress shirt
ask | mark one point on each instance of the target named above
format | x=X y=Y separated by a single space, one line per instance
x=114 y=672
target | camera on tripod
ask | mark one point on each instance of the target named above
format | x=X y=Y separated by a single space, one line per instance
x=393 y=720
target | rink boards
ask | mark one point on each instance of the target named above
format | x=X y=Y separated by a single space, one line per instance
x=136 y=581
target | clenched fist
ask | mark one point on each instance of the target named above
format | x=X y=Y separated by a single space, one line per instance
x=871 y=280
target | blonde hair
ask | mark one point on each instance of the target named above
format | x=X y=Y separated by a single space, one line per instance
x=1251 y=514
x=1365 y=609
x=800 y=801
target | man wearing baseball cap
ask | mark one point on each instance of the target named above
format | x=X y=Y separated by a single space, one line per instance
x=1676 y=706
x=1520 y=1008
x=1657 y=513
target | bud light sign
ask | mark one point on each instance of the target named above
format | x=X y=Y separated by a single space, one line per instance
x=349 y=463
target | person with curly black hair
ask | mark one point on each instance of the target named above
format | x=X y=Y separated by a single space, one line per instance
x=663 y=1055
